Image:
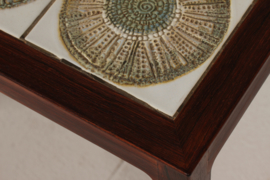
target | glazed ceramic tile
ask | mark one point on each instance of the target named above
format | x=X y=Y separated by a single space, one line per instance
x=17 y=19
x=165 y=97
x=142 y=43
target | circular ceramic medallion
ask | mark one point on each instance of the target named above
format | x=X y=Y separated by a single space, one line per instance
x=143 y=42
x=140 y=17
x=11 y=3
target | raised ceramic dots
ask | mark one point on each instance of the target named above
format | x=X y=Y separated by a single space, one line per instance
x=143 y=42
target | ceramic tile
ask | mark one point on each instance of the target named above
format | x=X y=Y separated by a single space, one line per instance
x=165 y=97
x=16 y=20
x=33 y=147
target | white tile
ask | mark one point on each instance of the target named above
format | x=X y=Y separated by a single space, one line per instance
x=16 y=20
x=129 y=172
x=33 y=147
x=166 y=97
x=246 y=154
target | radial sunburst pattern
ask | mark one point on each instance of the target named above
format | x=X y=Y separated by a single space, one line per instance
x=143 y=42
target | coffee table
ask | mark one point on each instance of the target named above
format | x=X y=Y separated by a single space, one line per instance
x=182 y=147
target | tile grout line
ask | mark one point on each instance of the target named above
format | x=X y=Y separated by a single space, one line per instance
x=29 y=29
x=93 y=76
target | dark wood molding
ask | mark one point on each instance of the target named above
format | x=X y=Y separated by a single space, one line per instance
x=165 y=149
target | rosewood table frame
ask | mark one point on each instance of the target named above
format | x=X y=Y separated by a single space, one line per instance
x=184 y=148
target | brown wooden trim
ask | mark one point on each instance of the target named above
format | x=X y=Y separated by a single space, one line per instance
x=226 y=84
x=80 y=126
x=147 y=139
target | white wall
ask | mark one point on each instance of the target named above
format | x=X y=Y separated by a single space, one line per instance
x=34 y=148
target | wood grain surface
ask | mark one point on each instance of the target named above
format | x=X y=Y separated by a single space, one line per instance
x=165 y=149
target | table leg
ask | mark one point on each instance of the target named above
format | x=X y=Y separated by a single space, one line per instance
x=166 y=172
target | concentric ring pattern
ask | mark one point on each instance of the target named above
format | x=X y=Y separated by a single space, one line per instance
x=143 y=42
x=140 y=17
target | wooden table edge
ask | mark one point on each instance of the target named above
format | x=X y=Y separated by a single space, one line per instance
x=158 y=165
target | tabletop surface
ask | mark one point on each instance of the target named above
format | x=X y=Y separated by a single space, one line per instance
x=164 y=97
x=116 y=121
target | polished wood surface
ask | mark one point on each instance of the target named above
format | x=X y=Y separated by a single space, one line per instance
x=181 y=149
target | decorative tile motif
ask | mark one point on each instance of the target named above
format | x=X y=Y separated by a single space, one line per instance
x=165 y=97
x=143 y=42
x=12 y=3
